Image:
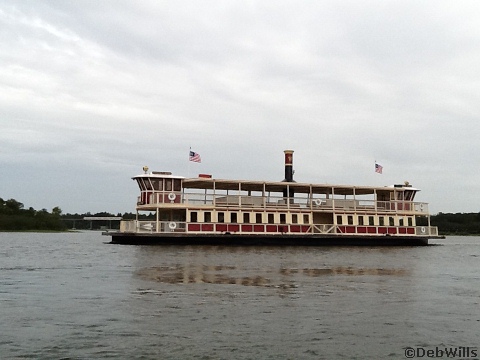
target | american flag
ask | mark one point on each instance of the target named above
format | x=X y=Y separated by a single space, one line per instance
x=378 y=168
x=195 y=157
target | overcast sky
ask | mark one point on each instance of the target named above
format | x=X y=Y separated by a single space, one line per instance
x=91 y=91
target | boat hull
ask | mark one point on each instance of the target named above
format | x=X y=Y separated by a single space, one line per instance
x=264 y=240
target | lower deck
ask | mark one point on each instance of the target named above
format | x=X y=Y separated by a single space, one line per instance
x=169 y=227
x=274 y=222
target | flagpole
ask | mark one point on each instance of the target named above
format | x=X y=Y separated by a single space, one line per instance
x=188 y=173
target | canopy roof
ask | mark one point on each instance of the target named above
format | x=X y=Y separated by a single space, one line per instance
x=248 y=185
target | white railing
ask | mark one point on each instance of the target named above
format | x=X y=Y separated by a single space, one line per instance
x=145 y=226
x=151 y=226
x=280 y=202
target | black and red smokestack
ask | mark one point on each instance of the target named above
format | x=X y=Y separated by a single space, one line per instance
x=288 y=165
x=288 y=191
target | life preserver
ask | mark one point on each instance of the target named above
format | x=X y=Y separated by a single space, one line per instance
x=318 y=202
x=172 y=225
x=421 y=207
x=172 y=196
x=422 y=229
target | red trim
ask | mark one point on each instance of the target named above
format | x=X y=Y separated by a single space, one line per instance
x=207 y=227
x=247 y=228
x=392 y=230
x=221 y=227
x=258 y=228
x=295 y=228
x=233 y=228
x=371 y=230
x=272 y=228
x=193 y=227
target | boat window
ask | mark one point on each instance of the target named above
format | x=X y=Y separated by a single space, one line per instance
x=306 y=219
x=339 y=220
x=207 y=217
x=360 y=220
x=155 y=184
x=221 y=217
x=193 y=216
x=168 y=184
x=391 y=221
x=400 y=222
x=233 y=217
x=381 y=221
x=371 y=220
x=141 y=184
x=283 y=218
x=350 y=219
x=246 y=218
x=409 y=195
x=148 y=184
x=177 y=185
x=258 y=218
x=271 y=219
x=294 y=219
x=400 y=195
x=410 y=221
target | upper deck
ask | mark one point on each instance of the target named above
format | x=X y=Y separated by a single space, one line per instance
x=164 y=190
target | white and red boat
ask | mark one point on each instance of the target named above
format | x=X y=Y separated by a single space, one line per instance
x=204 y=210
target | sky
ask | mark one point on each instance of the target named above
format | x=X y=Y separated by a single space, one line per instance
x=91 y=91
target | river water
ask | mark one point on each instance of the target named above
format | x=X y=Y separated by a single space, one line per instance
x=74 y=296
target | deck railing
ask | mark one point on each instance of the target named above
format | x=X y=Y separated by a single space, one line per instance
x=280 y=202
x=149 y=226
x=146 y=226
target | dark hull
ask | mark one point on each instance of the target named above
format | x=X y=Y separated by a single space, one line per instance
x=272 y=240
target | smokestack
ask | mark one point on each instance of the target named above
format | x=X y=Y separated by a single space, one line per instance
x=288 y=165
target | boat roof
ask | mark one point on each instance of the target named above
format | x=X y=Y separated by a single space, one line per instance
x=272 y=186
x=159 y=174
x=249 y=185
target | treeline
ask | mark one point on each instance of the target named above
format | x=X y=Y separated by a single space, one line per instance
x=457 y=224
x=14 y=217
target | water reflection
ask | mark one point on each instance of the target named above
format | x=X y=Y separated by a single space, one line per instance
x=268 y=277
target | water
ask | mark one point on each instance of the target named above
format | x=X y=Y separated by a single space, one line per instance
x=72 y=296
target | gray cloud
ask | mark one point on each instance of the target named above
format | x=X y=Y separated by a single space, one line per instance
x=91 y=92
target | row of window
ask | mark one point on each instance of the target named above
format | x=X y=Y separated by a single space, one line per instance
x=160 y=184
x=282 y=218
x=248 y=218
x=374 y=220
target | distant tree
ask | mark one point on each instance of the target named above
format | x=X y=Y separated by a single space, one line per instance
x=13 y=205
x=56 y=211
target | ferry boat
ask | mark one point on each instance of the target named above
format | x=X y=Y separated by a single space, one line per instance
x=205 y=210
